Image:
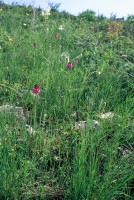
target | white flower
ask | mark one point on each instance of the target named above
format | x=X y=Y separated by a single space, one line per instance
x=65 y=55
x=61 y=27
x=47 y=30
x=29 y=129
x=48 y=9
x=46 y=12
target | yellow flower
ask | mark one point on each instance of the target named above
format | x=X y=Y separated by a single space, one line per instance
x=24 y=24
x=10 y=39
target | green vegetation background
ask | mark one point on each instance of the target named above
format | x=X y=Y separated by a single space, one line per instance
x=59 y=160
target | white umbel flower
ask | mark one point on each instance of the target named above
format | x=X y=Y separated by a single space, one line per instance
x=46 y=12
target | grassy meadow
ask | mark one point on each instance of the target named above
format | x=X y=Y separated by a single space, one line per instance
x=72 y=137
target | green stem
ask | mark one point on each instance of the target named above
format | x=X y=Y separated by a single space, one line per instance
x=35 y=113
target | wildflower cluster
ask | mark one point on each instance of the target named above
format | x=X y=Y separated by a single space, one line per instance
x=70 y=64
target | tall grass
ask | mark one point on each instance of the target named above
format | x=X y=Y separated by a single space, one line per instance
x=55 y=159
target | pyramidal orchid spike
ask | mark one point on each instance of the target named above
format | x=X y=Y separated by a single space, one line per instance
x=69 y=65
x=36 y=89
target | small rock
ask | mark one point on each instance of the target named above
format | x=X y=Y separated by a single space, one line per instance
x=108 y=115
x=94 y=123
x=81 y=125
x=124 y=151
x=17 y=111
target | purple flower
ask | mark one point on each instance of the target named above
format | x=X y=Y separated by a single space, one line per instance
x=69 y=65
x=36 y=89
x=76 y=60
x=56 y=35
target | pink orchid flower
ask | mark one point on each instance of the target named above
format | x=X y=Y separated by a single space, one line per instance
x=56 y=35
x=69 y=65
x=36 y=89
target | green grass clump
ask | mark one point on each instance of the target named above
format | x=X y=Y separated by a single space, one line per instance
x=45 y=151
